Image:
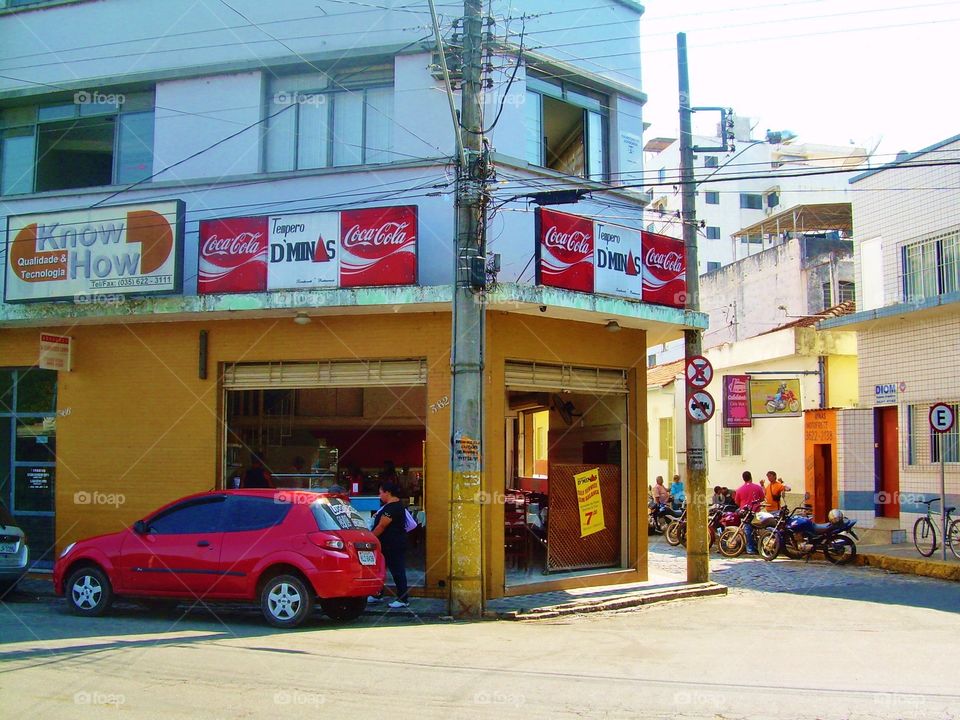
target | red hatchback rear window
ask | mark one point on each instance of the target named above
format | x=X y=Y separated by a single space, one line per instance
x=333 y=513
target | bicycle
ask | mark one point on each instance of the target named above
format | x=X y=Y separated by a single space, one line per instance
x=925 y=531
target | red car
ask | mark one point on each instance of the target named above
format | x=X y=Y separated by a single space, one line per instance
x=281 y=548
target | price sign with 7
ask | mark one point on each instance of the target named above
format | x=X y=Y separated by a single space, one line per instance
x=699 y=372
x=700 y=406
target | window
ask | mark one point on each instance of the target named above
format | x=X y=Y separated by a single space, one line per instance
x=751 y=201
x=847 y=291
x=94 y=139
x=713 y=232
x=773 y=199
x=662 y=175
x=566 y=128
x=926 y=443
x=712 y=265
x=755 y=239
x=253 y=513
x=335 y=514
x=191 y=517
x=731 y=442
x=651 y=360
x=931 y=267
x=317 y=120
x=711 y=161
x=713 y=198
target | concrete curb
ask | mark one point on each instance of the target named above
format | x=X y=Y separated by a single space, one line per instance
x=617 y=602
x=911 y=566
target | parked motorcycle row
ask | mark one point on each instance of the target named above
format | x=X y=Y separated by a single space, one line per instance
x=790 y=532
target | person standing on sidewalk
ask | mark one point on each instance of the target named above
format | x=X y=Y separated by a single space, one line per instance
x=660 y=493
x=773 y=491
x=389 y=525
x=749 y=494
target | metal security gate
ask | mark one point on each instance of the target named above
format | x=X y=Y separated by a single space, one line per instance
x=330 y=373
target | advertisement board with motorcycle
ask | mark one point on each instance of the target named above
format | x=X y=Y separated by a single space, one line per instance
x=775 y=398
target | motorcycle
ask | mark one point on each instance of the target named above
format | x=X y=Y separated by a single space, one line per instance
x=770 y=540
x=784 y=399
x=733 y=539
x=836 y=538
x=660 y=516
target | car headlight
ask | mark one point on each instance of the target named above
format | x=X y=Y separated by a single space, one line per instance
x=67 y=549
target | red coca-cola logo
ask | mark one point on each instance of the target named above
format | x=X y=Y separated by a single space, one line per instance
x=573 y=242
x=390 y=233
x=233 y=255
x=377 y=232
x=568 y=238
x=667 y=261
x=243 y=245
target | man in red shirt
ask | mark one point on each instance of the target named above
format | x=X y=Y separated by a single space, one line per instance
x=748 y=494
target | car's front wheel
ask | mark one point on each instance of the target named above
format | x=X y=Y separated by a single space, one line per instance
x=88 y=591
x=343 y=609
x=286 y=601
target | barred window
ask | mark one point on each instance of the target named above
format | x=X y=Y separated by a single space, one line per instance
x=925 y=443
x=731 y=442
x=931 y=267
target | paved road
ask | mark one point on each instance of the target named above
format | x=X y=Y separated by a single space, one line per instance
x=792 y=640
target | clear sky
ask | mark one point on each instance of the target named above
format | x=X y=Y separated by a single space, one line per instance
x=832 y=71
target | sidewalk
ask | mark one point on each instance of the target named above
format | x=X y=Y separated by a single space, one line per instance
x=541 y=606
x=904 y=558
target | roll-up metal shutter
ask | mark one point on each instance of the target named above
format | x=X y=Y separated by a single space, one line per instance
x=345 y=373
x=541 y=376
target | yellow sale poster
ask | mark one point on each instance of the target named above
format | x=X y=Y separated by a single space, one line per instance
x=590 y=501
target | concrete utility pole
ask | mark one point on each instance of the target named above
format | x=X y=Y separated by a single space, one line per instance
x=466 y=457
x=698 y=559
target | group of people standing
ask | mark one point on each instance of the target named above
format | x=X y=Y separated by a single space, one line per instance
x=674 y=496
x=768 y=494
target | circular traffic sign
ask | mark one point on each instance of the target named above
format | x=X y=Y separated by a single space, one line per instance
x=941 y=417
x=699 y=371
x=700 y=406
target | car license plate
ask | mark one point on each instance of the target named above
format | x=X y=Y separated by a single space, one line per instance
x=368 y=557
x=10 y=548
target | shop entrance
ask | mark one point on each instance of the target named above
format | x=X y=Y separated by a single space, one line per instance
x=28 y=456
x=566 y=473
x=325 y=426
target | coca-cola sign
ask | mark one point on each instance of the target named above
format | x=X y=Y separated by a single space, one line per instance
x=565 y=251
x=378 y=246
x=233 y=255
x=664 y=270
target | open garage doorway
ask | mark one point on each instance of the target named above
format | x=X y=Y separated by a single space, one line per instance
x=330 y=426
x=566 y=476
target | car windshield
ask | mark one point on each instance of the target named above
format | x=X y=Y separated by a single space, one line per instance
x=5 y=517
x=334 y=513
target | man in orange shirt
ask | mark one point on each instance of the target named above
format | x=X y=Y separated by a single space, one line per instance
x=773 y=491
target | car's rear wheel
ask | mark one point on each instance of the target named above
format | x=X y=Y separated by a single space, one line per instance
x=343 y=609
x=88 y=591
x=286 y=601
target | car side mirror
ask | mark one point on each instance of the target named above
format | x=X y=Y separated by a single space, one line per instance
x=140 y=527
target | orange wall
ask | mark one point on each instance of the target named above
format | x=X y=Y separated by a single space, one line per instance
x=820 y=428
x=144 y=426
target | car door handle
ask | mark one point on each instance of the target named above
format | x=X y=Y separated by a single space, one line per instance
x=203 y=543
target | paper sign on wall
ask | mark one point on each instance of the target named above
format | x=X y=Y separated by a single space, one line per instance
x=590 y=502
